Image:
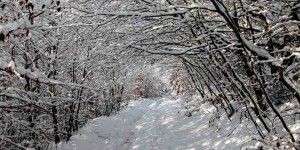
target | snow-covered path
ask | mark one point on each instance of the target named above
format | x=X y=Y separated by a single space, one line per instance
x=155 y=125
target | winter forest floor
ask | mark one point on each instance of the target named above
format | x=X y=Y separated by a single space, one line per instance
x=159 y=125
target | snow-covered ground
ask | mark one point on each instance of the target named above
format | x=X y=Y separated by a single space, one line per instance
x=158 y=125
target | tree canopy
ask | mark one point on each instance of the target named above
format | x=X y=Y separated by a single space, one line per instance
x=65 y=61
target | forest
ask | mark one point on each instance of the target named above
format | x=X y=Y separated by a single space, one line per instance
x=64 y=62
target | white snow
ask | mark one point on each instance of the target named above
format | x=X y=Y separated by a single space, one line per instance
x=3 y=104
x=47 y=2
x=3 y=64
x=158 y=125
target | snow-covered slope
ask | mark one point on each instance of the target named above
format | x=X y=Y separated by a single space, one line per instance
x=158 y=125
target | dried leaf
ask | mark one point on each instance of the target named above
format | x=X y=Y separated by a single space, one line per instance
x=3 y=6
x=9 y=70
x=21 y=3
x=277 y=144
x=26 y=32
x=2 y=37
x=37 y=82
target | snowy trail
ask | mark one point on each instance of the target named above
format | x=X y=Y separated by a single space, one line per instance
x=156 y=125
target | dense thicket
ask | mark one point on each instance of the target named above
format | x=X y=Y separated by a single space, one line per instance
x=240 y=55
x=58 y=69
x=63 y=62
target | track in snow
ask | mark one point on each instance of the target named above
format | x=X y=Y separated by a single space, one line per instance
x=155 y=125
